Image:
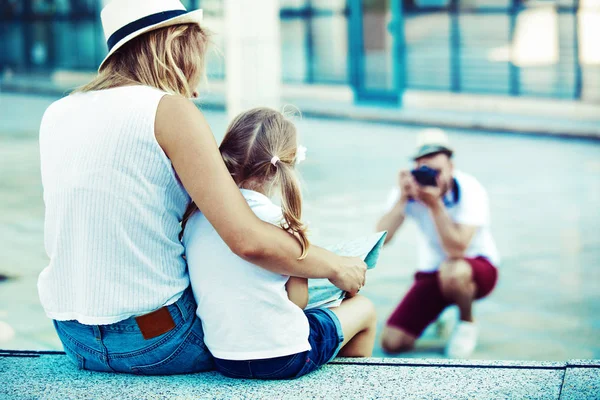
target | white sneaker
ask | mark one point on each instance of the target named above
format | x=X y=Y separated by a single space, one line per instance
x=463 y=340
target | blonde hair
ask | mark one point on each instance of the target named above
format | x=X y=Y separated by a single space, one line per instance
x=252 y=141
x=169 y=58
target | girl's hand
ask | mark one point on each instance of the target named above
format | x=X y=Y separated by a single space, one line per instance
x=350 y=275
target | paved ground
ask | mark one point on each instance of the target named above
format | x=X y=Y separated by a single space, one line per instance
x=544 y=193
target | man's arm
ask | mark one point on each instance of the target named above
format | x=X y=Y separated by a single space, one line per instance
x=393 y=219
x=455 y=237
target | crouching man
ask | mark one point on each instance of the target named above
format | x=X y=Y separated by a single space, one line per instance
x=457 y=254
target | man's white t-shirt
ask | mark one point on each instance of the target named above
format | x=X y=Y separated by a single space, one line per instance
x=471 y=209
x=245 y=310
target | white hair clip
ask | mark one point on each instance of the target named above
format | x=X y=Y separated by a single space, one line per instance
x=300 y=154
x=274 y=160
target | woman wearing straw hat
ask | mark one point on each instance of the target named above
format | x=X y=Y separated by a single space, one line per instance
x=120 y=159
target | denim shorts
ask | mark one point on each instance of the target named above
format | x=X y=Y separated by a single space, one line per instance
x=325 y=340
x=120 y=347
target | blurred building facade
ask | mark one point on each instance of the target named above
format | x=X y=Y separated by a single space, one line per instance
x=379 y=48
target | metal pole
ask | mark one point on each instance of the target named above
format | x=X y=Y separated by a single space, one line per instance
x=27 y=28
x=399 y=49
x=578 y=73
x=356 y=50
x=310 y=51
x=50 y=40
x=514 y=71
x=98 y=34
x=455 y=83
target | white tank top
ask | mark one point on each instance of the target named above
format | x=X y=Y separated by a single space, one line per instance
x=113 y=209
x=244 y=309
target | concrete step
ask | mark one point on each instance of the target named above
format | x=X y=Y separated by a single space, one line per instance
x=50 y=375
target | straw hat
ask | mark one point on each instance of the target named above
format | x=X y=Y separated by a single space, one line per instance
x=431 y=141
x=124 y=20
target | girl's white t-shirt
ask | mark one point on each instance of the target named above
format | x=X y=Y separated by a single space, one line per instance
x=245 y=310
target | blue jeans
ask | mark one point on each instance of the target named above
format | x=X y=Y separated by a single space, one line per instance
x=325 y=338
x=120 y=347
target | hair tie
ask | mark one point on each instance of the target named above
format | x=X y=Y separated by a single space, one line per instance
x=274 y=160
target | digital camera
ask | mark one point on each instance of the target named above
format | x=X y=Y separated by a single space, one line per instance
x=425 y=176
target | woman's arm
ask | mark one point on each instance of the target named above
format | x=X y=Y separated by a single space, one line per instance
x=186 y=138
x=297 y=290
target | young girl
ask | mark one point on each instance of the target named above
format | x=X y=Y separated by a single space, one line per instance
x=253 y=319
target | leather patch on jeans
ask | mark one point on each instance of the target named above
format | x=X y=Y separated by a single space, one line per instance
x=155 y=323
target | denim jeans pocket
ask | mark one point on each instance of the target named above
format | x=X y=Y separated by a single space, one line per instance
x=234 y=369
x=309 y=366
x=188 y=357
x=285 y=367
x=70 y=346
x=280 y=368
x=75 y=357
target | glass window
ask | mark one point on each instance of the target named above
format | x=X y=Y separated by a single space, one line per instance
x=10 y=8
x=293 y=3
x=377 y=42
x=294 y=50
x=212 y=8
x=188 y=4
x=315 y=46
x=483 y=4
x=62 y=6
x=87 y=7
x=484 y=53
x=424 y=4
x=428 y=51
x=214 y=20
x=42 y=7
x=330 y=49
x=569 y=3
x=76 y=45
x=11 y=36
x=334 y=5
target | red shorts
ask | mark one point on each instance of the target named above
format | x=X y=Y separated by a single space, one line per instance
x=424 y=301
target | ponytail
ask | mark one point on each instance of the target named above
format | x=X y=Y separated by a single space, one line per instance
x=259 y=150
x=291 y=205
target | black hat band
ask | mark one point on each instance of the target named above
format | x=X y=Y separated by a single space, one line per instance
x=141 y=24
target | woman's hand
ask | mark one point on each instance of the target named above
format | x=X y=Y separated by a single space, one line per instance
x=350 y=275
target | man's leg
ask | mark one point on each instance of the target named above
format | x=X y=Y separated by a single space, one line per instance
x=461 y=282
x=422 y=305
x=458 y=286
x=396 y=340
